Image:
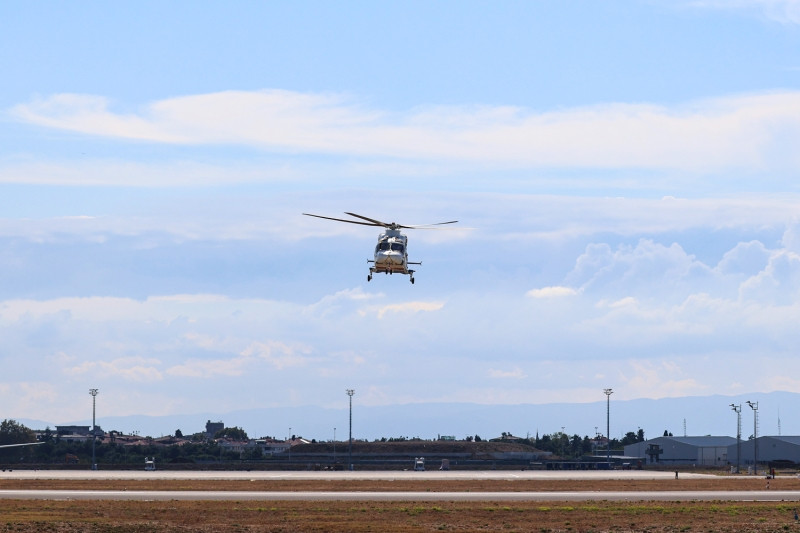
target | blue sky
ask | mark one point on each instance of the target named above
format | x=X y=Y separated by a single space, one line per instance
x=628 y=169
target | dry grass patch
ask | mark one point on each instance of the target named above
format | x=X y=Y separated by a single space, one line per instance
x=617 y=517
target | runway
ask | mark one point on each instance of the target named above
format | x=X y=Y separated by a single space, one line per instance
x=416 y=496
x=368 y=475
x=377 y=496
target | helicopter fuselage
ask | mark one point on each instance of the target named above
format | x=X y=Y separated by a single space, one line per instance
x=391 y=255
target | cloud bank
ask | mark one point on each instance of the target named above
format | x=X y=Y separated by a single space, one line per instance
x=737 y=132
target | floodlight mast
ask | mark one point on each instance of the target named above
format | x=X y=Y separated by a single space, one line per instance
x=608 y=393
x=738 y=410
x=754 y=407
x=94 y=393
x=350 y=393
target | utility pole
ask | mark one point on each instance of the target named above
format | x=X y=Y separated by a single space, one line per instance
x=754 y=407
x=93 y=392
x=738 y=410
x=608 y=393
x=350 y=393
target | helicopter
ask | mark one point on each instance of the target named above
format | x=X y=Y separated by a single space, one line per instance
x=391 y=252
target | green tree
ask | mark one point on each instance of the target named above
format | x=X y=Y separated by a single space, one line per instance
x=48 y=435
x=545 y=443
x=630 y=438
x=254 y=453
x=231 y=433
x=12 y=432
x=576 y=445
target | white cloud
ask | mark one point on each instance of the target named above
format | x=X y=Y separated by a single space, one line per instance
x=279 y=354
x=405 y=308
x=791 y=237
x=140 y=174
x=210 y=368
x=163 y=308
x=747 y=258
x=648 y=266
x=660 y=379
x=515 y=373
x=778 y=283
x=129 y=368
x=551 y=292
x=725 y=133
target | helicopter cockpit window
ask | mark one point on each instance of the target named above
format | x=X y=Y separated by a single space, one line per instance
x=383 y=246
x=397 y=247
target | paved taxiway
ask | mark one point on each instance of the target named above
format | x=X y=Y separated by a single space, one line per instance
x=416 y=496
x=370 y=475
x=388 y=476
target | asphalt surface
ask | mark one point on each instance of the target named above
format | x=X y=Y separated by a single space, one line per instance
x=763 y=495
x=792 y=496
x=382 y=475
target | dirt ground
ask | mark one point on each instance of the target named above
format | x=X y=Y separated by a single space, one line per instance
x=267 y=515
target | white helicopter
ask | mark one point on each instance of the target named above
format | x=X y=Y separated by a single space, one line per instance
x=391 y=252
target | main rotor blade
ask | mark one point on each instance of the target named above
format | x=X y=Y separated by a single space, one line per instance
x=428 y=226
x=420 y=226
x=343 y=220
x=376 y=222
x=392 y=225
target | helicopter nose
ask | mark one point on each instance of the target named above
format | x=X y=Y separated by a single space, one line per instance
x=389 y=257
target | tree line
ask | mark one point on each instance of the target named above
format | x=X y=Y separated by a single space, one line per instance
x=200 y=449
x=54 y=450
x=575 y=446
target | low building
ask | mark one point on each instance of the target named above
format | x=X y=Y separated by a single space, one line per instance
x=78 y=433
x=768 y=449
x=72 y=438
x=700 y=451
x=78 y=430
x=716 y=451
x=235 y=446
x=271 y=446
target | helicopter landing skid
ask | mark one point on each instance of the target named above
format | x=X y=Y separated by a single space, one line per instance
x=372 y=270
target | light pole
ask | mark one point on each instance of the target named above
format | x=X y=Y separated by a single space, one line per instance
x=334 y=447
x=608 y=393
x=350 y=393
x=738 y=410
x=754 y=407
x=93 y=392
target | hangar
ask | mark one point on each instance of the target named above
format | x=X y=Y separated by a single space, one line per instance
x=704 y=451
x=716 y=451
x=769 y=449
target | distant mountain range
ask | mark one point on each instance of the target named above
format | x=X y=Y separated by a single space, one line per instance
x=699 y=415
